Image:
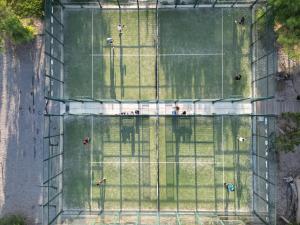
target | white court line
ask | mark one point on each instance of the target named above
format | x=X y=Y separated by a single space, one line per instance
x=151 y=55
x=116 y=162
x=222 y=28
x=91 y=155
x=222 y=55
x=223 y=161
x=92 y=53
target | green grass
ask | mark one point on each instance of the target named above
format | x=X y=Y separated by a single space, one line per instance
x=132 y=186
x=125 y=72
x=128 y=70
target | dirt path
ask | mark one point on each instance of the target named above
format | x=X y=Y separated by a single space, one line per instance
x=21 y=130
x=288 y=163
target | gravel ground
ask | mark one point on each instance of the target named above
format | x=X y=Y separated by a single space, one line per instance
x=21 y=130
x=288 y=163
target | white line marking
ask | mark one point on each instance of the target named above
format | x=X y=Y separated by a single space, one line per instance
x=116 y=162
x=92 y=53
x=222 y=56
x=223 y=161
x=91 y=157
x=151 y=55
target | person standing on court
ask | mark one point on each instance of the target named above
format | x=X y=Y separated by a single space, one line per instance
x=229 y=187
x=86 y=140
x=241 y=21
x=120 y=28
x=238 y=77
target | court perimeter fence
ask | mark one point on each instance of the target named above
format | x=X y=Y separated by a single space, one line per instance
x=264 y=68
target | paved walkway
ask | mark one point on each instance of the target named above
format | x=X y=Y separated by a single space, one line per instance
x=21 y=130
x=199 y=108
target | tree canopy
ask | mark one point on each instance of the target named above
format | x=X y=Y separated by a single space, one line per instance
x=14 y=25
x=287 y=25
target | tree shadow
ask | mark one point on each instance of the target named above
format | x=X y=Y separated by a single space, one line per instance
x=21 y=110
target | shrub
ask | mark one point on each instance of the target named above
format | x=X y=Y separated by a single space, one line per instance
x=12 y=28
x=12 y=220
x=25 y=8
x=289 y=136
x=16 y=31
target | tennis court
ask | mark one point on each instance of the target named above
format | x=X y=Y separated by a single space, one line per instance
x=169 y=54
x=148 y=162
x=165 y=163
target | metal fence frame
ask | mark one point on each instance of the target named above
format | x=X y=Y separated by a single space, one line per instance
x=54 y=87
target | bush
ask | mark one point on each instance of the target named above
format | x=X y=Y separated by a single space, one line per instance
x=12 y=28
x=12 y=220
x=25 y=8
x=289 y=137
x=16 y=31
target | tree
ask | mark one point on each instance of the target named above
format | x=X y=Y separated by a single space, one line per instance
x=287 y=25
x=12 y=22
x=25 y=8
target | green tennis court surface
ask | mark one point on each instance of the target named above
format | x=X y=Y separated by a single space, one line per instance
x=171 y=164
x=185 y=53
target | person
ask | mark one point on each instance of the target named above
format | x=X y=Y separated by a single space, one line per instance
x=184 y=113
x=120 y=28
x=229 y=187
x=86 y=141
x=241 y=139
x=101 y=182
x=241 y=21
x=238 y=77
x=137 y=112
x=175 y=111
x=109 y=40
x=298 y=97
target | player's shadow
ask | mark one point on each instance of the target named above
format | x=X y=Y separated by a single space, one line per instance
x=112 y=73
